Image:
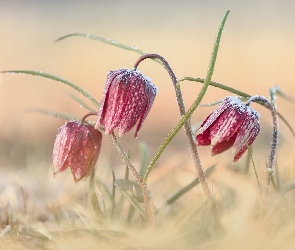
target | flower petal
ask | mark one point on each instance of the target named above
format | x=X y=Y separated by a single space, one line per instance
x=105 y=96
x=63 y=145
x=247 y=133
x=222 y=146
x=135 y=103
x=215 y=114
x=127 y=99
x=151 y=92
x=116 y=99
x=227 y=124
x=85 y=152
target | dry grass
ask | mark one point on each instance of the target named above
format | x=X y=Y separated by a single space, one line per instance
x=41 y=212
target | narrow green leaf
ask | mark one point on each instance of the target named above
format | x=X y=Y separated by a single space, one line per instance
x=104 y=40
x=215 y=84
x=106 y=193
x=110 y=42
x=93 y=197
x=81 y=103
x=144 y=158
x=113 y=193
x=120 y=203
x=132 y=201
x=60 y=115
x=277 y=91
x=254 y=167
x=132 y=188
x=287 y=188
x=195 y=104
x=189 y=187
x=55 y=78
x=237 y=92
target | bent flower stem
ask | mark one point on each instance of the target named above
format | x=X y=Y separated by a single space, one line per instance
x=187 y=126
x=146 y=199
x=275 y=139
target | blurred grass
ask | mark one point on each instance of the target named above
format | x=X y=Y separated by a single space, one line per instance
x=41 y=212
x=38 y=211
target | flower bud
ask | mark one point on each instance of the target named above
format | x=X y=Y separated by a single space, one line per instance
x=127 y=99
x=76 y=146
x=232 y=124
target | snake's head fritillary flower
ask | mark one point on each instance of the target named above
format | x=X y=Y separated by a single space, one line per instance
x=127 y=99
x=76 y=146
x=232 y=124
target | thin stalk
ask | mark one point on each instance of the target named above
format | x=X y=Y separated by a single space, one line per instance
x=254 y=167
x=275 y=138
x=93 y=198
x=188 y=187
x=146 y=199
x=88 y=114
x=113 y=194
x=187 y=125
x=237 y=92
x=187 y=115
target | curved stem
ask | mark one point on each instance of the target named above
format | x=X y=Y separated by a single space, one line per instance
x=237 y=92
x=187 y=126
x=148 y=209
x=186 y=116
x=88 y=114
x=275 y=138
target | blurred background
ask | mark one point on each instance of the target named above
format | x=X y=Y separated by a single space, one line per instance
x=256 y=52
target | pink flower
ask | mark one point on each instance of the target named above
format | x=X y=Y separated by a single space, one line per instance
x=232 y=124
x=127 y=99
x=76 y=146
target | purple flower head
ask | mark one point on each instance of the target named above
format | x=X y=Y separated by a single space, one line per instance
x=76 y=146
x=127 y=99
x=232 y=124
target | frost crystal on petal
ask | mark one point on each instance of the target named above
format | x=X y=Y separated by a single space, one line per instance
x=247 y=133
x=127 y=99
x=232 y=124
x=76 y=146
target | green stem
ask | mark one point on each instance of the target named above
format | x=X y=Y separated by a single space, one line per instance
x=187 y=125
x=237 y=92
x=93 y=198
x=275 y=138
x=217 y=85
x=188 y=187
x=121 y=152
x=187 y=115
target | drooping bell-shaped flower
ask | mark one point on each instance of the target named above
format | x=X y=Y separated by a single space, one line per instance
x=232 y=124
x=127 y=99
x=76 y=146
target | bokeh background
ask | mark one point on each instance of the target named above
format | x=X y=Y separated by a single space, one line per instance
x=257 y=52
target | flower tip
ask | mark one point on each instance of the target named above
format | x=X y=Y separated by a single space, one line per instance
x=200 y=131
x=214 y=142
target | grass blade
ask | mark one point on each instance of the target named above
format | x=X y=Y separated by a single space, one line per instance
x=132 y=201
x=196 y=103
x=54 y=78
x=93 y=197
x=108 y=41
x=60 y=115
x=237 y=92
x=189 y=187
x=81 y=103
x=106 y=193
x=104 y=40
x=256 y=175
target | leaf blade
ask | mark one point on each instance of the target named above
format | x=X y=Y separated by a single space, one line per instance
x=54 y=78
